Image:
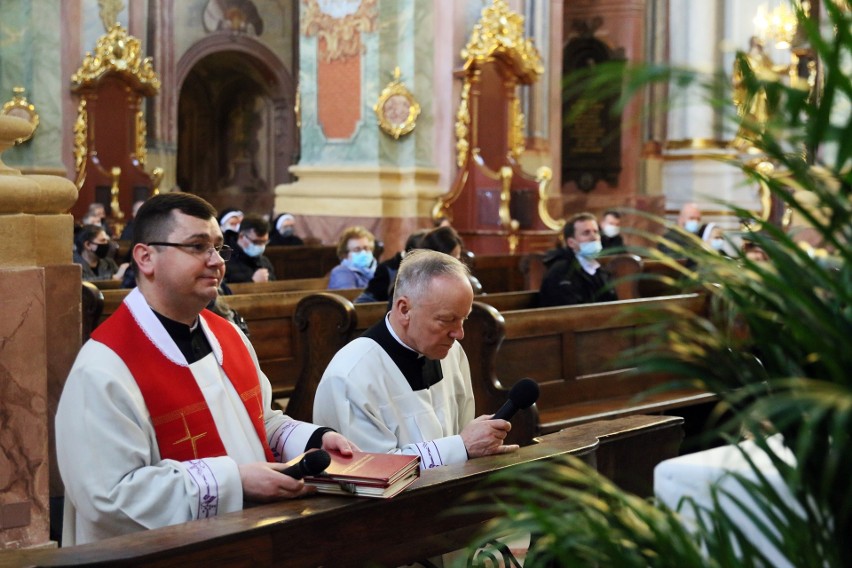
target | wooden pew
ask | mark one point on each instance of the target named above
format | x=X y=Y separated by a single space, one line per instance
x=325 y=322
x=499 y=273
x=308 y=261
x=320 y=283
x=271 y=327
x=571 y=352
x=324 y=530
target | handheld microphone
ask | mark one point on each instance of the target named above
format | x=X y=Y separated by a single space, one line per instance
x=522 y=395
x=313 y=463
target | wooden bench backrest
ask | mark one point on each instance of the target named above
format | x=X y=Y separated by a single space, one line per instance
x=499 y=273
x=571 y=351
x=308 y=261
x=294 y=284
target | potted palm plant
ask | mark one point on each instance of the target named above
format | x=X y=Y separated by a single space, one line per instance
x=775 y=347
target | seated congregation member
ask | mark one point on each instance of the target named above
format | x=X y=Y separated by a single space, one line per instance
x=611 y=231
x=92 y=247
x=714 y=238
x=689 y=220
x=404 y=385
x=284 y=232
x=357 y=263
x=247 y=263
x=229 y=222
x=574 y=276
x=445 y=239
x=166 y=416
x=381 y=284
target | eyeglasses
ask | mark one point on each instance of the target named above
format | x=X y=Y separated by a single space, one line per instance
x=360 y=249
x=200 y=249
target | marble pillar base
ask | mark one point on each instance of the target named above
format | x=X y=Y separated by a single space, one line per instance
x=24 y=462
x=390 y=202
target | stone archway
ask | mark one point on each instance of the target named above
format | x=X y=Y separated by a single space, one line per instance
x=237 y=134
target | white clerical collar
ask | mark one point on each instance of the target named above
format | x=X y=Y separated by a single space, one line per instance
x=590 y=265
x=395 y=336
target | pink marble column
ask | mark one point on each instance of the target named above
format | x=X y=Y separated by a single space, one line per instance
x=39 y=338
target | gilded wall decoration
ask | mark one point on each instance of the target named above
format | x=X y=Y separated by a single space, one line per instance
x=117 y=52
x=81 y=146
x=339 y=24
x=396 y=109
x=20 y=107
x=501 y=32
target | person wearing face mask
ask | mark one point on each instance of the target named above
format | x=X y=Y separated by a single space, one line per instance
x=611 y=231
x=714 y=238
x=357 y=263
x=284 y=233
x=689 y=223
x=92 y=247
x=248 y=264
x=574 y=276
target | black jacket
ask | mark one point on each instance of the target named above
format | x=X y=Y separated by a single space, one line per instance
x=241 y=267
x=566 y=283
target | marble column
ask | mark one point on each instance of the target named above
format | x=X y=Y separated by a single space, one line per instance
x=694 y=168
x=39 y=338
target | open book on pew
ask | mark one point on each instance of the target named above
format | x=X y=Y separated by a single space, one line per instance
x=365 y=474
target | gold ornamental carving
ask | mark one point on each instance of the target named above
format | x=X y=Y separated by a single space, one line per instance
x=463 y=125
x=518 y=125
x=81 y=146
x=141 y=134
x=500 y=33
x=340 y=29
x=20 y=107
x=396 y=109
x=117 y=52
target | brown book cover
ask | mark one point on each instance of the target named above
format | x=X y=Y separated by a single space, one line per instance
x=366 y=474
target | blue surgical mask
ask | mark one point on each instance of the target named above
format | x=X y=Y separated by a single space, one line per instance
x=254 y=250
x=362 y=259
x=717 y=244
x=691 y=226
x=590 y=249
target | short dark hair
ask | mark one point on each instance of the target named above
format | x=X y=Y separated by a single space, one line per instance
x=154 y=221
x=442 y=239
x=612 y=212
x=85 y=234
x=256 y=223
x=568 y=229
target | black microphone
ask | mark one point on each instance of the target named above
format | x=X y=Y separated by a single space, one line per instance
x=313 y=463
x=522 y=395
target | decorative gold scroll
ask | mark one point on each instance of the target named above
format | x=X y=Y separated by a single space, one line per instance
x=81 y=145
x=463 y=125
x=500 y=33
x=141 y=135
x=117 y=52
x=341 y=35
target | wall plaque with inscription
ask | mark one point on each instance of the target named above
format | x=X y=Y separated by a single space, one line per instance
x=591 y=132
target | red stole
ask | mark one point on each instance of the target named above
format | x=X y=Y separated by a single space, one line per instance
x=182 y=420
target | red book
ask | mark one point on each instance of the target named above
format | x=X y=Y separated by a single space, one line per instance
x=366 y=474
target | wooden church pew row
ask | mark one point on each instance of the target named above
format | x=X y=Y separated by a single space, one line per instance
x=423 y=523
x=308 y=261
x=570 y=352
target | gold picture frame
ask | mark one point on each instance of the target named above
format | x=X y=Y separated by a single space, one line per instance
x=20 y=107
x=397 y=109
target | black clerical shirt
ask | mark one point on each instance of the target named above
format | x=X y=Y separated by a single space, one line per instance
x=420 y=371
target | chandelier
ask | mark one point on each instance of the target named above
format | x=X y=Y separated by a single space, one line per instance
x=779 y=24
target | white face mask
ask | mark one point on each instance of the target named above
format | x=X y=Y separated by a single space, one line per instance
x=691 y=226
x=610 y=230
x=717 y=244
x=590 y=249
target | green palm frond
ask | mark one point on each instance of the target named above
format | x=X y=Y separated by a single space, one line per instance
x=773 y=344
